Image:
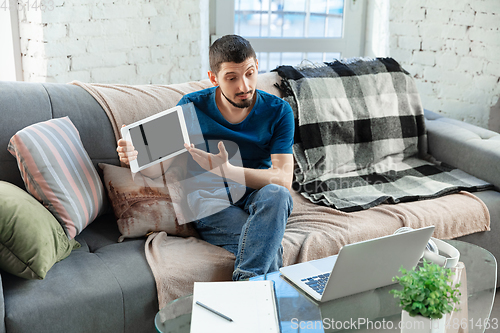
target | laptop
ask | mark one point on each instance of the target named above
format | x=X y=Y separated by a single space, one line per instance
x=360 y=266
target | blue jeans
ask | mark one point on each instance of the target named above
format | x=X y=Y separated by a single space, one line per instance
x=252 y=229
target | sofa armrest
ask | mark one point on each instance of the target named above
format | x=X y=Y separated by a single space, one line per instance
x=467 y=147
x=2 y=307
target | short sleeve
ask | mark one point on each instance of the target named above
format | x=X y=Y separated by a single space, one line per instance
x=183 y=100
x=282 y=139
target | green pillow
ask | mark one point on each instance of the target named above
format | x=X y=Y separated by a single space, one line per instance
x=31 y=239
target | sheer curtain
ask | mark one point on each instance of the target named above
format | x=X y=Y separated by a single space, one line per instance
x=377 y=28
x=10 y=57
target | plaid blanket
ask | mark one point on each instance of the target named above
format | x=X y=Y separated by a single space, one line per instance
x=360 y=136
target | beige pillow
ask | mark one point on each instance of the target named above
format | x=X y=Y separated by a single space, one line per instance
x=142 y=206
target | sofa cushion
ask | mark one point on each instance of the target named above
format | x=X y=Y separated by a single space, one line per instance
x=78 y=295
x=100 y=233
x=142 y=205
x=17 y=113
x=57 y=171
x=104 y=287
x=31 y=239
x=127 y=262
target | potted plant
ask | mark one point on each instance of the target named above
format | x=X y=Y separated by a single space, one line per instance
x=427 y=296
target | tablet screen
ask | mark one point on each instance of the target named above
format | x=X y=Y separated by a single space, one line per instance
x=157 y=138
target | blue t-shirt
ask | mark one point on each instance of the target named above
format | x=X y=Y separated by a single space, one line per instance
x=267 y=129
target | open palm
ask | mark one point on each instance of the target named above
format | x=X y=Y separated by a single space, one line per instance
x=208 y=161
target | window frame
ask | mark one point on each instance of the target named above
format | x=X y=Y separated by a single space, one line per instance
x=351 y=44
x=14 y=48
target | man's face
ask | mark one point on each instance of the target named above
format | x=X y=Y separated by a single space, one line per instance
x=238 y=82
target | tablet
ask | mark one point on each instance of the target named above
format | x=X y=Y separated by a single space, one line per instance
x=157 y=138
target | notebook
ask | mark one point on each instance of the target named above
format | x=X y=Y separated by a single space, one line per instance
x=360 y=266
x=250 y=305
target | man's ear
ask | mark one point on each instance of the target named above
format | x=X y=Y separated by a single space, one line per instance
x=213 y=78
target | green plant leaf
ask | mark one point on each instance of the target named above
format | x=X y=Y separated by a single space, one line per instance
x=427 y=291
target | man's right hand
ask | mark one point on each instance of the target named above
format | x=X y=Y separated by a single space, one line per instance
x=126 y=151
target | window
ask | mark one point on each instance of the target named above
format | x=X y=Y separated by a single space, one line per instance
x=10 y=51
x=288 y=31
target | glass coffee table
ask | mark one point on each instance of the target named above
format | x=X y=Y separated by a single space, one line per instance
x=374 y=310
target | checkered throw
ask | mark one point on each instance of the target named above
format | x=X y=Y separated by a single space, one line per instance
x=360 y=136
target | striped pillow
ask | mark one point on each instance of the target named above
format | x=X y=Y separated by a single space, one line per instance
x=58 y=172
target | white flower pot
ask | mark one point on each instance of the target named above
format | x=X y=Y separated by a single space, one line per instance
x=421 y=324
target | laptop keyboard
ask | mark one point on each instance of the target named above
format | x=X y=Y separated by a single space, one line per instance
x=317 y=283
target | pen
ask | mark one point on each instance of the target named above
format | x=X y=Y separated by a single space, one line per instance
x=214 y=311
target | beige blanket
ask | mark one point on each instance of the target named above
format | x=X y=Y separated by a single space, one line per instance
x=312 y=232
x=126 y=104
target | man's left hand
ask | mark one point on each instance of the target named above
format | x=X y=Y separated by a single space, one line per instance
x=208 y=161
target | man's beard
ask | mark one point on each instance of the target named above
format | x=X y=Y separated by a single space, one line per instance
x=244 y=104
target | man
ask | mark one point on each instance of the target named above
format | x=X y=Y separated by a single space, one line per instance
x=262 y=126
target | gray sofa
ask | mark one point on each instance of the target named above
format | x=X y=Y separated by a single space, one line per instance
x=107 y=286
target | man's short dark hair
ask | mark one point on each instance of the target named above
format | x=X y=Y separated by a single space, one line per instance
x=229 y=48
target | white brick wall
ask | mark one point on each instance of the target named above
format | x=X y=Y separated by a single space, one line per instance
x=452 y=48
x=108 y=41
